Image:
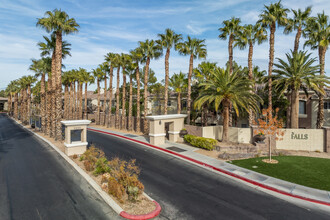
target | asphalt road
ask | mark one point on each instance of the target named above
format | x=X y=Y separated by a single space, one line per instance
x=36 y=183
x=186 y=191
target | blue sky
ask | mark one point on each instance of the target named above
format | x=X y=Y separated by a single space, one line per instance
x=117 y=26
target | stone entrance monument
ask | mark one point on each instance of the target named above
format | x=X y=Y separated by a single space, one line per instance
x=157 y=127
x=75 y=136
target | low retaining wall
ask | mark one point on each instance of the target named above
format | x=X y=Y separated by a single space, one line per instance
x=293 y=139
x=302 y=139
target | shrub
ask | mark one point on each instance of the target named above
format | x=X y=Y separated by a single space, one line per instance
x=101 y=166
x=88 y=165
x=116 y=189
x=93 y=154
x=75 y=156
x=201 y=142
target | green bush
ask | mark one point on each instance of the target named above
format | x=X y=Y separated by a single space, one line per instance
x=201 y=142
x=101 y=166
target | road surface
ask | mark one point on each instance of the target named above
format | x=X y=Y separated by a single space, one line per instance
x=186 y=191
x=37 y=183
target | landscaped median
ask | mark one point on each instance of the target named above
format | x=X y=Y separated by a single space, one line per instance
x=115 y=180
x=307 y=171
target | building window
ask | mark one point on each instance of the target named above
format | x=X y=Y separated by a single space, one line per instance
x=169 y=103
x=326 y=105
x=302 y=107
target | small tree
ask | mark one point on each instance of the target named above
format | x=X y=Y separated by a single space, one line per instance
x=269 y=125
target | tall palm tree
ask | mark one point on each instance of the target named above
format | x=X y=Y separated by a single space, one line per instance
x=29 y=80
x=248 y=36
x=125 y=61
x=150 y=50
x=179 y=83
x=105 y=69
x=59 y=22
x=137 y=57
x=130 y=71
x=48 y=50
x=230 y=29
x=86 y=78
x=196 y=49
x=273 y=14
x=295 y=74
x=223 y=88
x=318 y=37
x=41 y=68
x=168 y=40
x=298 y=23
x=110 y=58
x=99 y=76
x=116 y=63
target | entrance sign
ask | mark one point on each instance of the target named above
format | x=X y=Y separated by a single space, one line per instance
x=72 y=127
x=157 y=127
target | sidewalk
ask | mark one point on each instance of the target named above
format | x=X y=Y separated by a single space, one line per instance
x=186 y=152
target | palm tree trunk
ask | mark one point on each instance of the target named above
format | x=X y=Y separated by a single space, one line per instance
x=75 y=101
x=52 y=97
x=138 y=111
x=288 y=111
x=42 y=102
x=230 y=52
x=226 y=105
x=117 y=98
x=130 y=102
x=167 y=56
x=71 y=100
x=295 y=109
x=270 y=66
x=85 y=114
x=98 y=102
x=29 y=104
x=250 y=66
x=109 y=124
x=49 y=103
x=296 y=41
x=145 y=125
x=123 y=102
x=179 y=103
x=66 y=101
x=105 y=100
x=16 y=106
x=80 y=100
x=320 y=113
x=191 y=63
x=58 y=51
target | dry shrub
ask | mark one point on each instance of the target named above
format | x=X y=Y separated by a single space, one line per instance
x=105 y=178
x=75 y=156
x=88 y=165
x=126 y=174
x=92 y=154
x=116 y=189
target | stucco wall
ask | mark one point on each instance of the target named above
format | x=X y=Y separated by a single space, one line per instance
x=236 y=135
x=302 y=139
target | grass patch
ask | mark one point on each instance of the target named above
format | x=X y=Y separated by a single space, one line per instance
x=306 y=171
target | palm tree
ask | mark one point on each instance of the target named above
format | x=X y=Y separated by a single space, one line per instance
x=99 y=76
x=59 y=22
x=203 y=71
x=66 y=82
x=105 y=69
x=137 y=57
x=179 y=82
x=224 y=88
x=230 y=29
x=86 y=78
x=298 y=22
x=29 y=80
x=249 y=35
x=130 y=71
x=110 y=58
x=167 y=41
x=272 y=15
x=116 y=63
x=196 y=49
x=41 y=68
x=295 y=74
x=48 y=50
x=150 y=50
x=318 y=37
x=125 y=61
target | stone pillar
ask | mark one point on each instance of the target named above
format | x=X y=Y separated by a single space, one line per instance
x=157 y=132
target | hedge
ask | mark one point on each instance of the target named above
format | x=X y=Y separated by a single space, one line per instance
x=201 y=142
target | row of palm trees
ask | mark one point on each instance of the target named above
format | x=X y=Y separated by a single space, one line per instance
x=54 y=49
x=314 y=29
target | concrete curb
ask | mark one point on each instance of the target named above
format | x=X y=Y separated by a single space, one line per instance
x=228 y=173
x=120 y=211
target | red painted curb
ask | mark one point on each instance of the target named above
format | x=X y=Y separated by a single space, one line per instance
x=221 y=170
x=142 y=217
